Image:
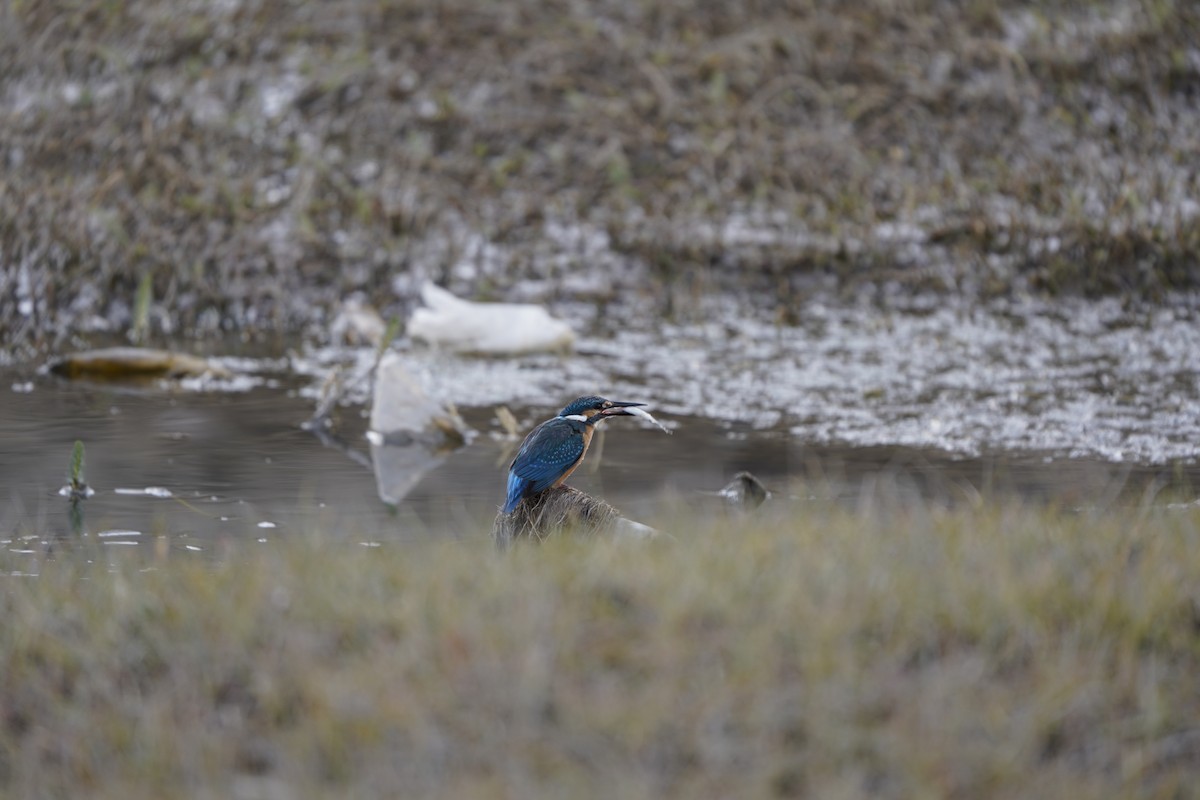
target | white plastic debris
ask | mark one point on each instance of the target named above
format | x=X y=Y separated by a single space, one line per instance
x=487 y=328
x=410 y=432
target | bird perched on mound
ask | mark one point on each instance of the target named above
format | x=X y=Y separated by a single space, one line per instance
x=552 y=450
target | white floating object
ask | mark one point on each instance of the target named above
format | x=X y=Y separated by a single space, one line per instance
x=638 y=412
x=266 y=524
x=410 y=432
x=401 y=406
x=106 y=534
x=487 y=328
x=149 y=491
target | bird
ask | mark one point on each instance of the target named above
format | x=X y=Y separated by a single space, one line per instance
x=552 y=450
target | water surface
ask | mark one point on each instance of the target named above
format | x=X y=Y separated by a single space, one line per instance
x=1081 y=404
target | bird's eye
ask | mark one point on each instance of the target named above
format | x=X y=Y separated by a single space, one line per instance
x=606 y=404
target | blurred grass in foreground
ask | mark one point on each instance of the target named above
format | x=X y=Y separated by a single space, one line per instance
x=1003 y=651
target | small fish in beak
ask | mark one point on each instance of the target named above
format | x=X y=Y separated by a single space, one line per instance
x=633 y=410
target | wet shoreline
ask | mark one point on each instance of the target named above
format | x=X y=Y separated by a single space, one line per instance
x=1080 y=404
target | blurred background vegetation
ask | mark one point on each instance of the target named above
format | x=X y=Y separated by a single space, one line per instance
x=258 y=160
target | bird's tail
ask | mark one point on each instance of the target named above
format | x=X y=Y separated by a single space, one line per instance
x=516 y=490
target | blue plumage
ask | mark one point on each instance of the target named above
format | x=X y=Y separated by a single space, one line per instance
x=548 y=453
x=516 y=490
x=582 y=405
x=553 y=449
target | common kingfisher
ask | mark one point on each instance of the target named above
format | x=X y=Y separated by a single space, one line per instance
x=552 y=450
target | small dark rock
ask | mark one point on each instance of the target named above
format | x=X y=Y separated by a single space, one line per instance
x=745 y=491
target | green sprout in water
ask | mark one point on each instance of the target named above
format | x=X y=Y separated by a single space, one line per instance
x=77 y=466
x=77 y=488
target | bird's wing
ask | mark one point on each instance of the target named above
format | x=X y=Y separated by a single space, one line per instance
x=547 y=453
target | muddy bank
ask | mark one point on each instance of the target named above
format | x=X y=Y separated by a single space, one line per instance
x=1065 y=378
x=260 y=161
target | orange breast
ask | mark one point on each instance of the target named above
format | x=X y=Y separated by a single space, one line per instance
x=587 y=440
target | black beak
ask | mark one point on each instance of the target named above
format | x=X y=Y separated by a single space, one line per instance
x=618 y=409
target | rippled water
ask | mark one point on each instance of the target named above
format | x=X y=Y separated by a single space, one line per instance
x=1080 y=404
